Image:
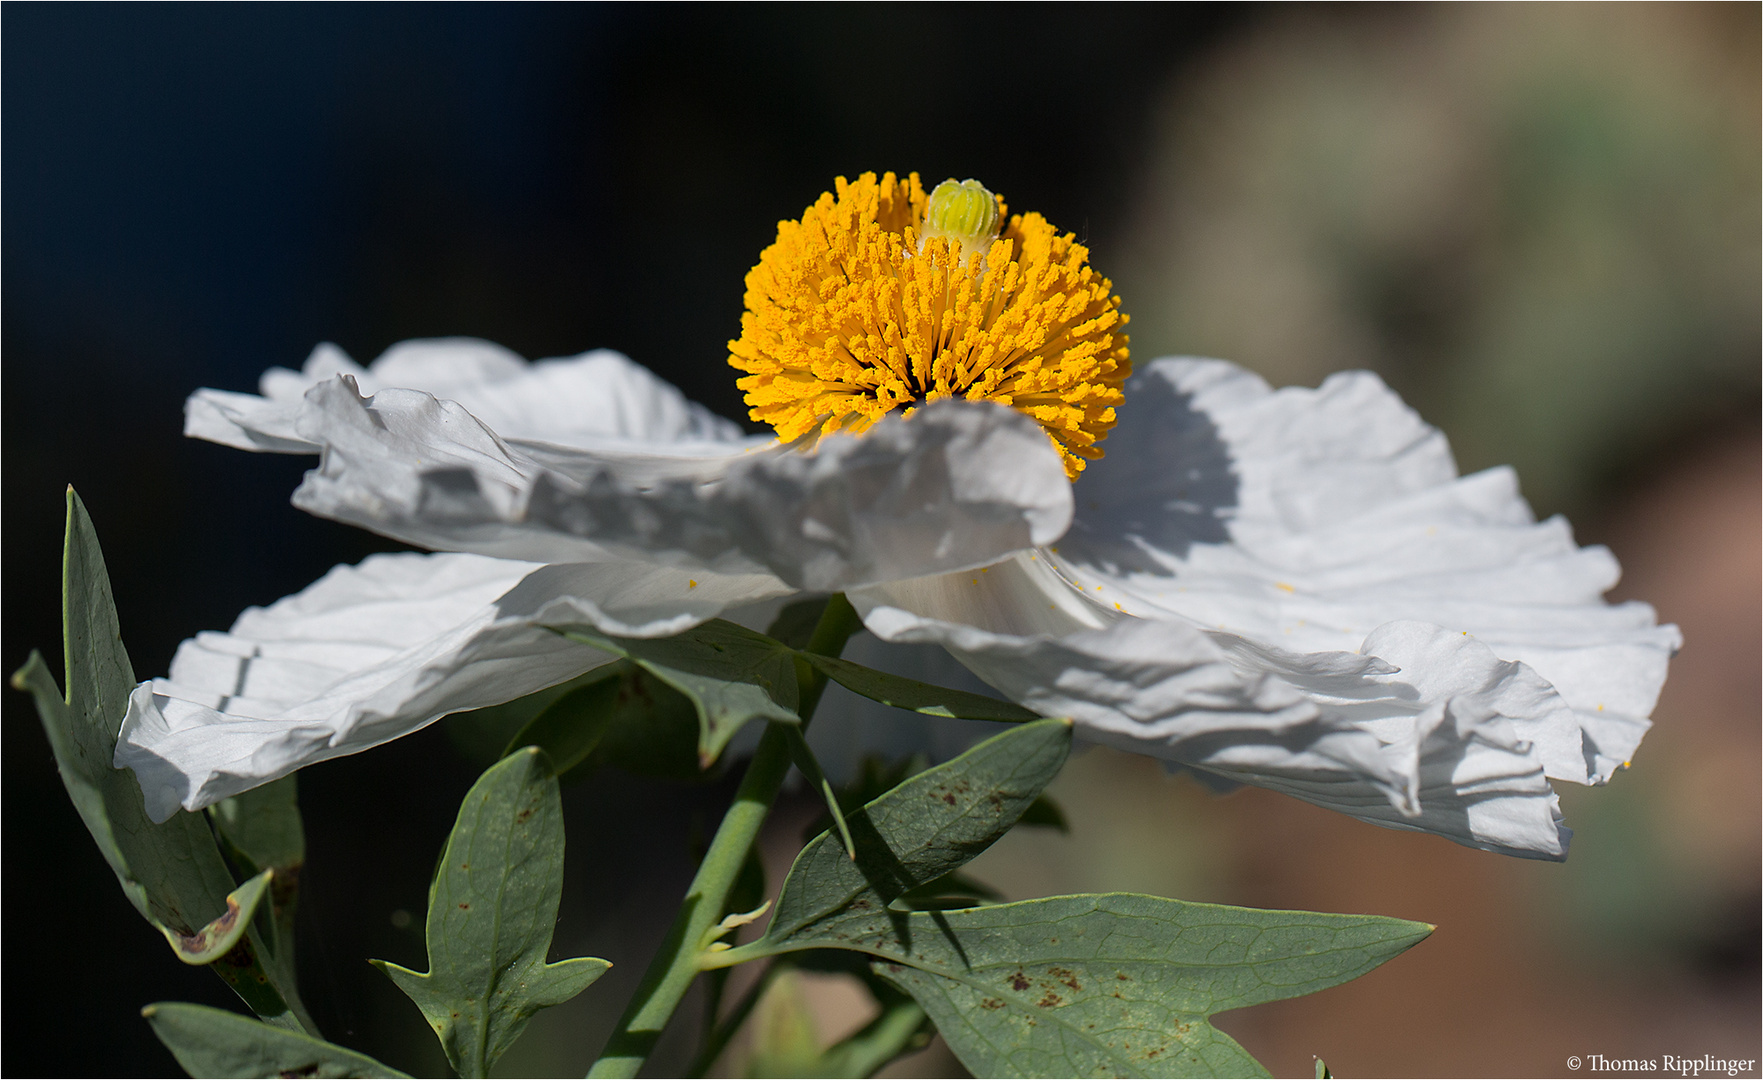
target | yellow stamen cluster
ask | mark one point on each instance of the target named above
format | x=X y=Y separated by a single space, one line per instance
x=851 y=315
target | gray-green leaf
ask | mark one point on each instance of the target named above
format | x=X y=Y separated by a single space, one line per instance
x=221 y=936
x=731 y=674
x=931 y=824
x=921 y=697
x=1110 y=985
x=1117 y=984
x=214 y=1042
x=492 y=908
x=172 y=872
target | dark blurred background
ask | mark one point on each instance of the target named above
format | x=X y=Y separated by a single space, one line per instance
x=1539 y=223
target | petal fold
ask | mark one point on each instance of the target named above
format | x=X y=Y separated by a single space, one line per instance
x=371 y=652
x=495 y=469
x=1295 y=589
x=1330 y=512
x=1445 y=745
x=597 y=395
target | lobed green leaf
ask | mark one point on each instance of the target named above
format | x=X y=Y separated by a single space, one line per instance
x=1118 y=984
x=492 y=907
x=171 y=872
x=1103 y=985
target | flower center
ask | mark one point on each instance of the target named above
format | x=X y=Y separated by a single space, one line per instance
x=881 y=297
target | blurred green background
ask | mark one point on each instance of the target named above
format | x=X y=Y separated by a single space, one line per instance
x=1540 y=223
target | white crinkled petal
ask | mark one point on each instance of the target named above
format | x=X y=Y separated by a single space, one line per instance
x=371 y=652
x=955 y=485
x=466 y=447
x=598 y=395
x=1320 y=541
x=1424 y=730
x=1309 y=518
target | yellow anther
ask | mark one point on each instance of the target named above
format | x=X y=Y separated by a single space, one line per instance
x=850 y=316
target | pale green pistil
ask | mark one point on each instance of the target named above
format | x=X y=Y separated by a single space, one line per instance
x=965 y=212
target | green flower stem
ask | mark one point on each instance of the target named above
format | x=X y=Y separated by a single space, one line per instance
x=671 y=973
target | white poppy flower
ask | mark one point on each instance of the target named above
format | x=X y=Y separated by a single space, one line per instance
x=1292 y=589
x=635 y=512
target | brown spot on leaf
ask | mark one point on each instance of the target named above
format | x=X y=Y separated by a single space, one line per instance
x=1121 y=977
x=1065 y=976
x=520 y=818
x=1051 y=999
x=464 y=907
x=990 y=1003
x=204 y=938
x=948 y=798
x=1019 y=982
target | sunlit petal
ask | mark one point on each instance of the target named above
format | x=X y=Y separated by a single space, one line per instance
x=371 y=652
x=1442 y=655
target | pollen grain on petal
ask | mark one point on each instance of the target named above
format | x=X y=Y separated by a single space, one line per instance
x=850 y=316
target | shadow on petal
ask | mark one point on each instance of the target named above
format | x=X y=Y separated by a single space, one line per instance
x=1166 y=483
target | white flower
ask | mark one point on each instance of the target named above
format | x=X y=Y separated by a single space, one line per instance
x=1291 y=589
x=1294 y=589
x=635 y=512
